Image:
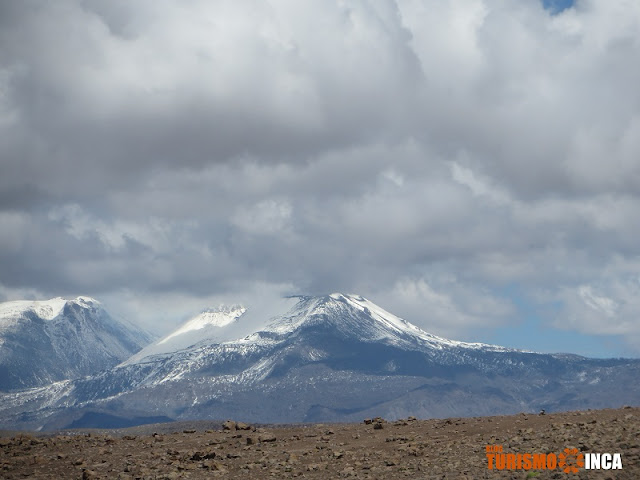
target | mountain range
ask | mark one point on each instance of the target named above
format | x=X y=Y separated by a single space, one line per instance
x=325 y=358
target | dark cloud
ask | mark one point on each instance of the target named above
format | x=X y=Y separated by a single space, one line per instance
x=424 y=153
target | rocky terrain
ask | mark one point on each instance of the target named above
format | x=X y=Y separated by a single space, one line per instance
x=374 y=448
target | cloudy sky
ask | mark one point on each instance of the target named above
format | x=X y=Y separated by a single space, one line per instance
x=470 y=165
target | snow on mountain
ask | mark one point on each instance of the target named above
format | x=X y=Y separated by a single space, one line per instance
x=211 y=341
x=223 y=325
x=210 y=326
x=216 y=318
x=12 y=312
x=354 y=315
x=336 y=357
x=56 y=339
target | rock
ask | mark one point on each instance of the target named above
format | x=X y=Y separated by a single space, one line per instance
x=267 y=437
x=348 y=472
x=243 y=426
x=229 y=425
x=378 y=426
x=216 y=466
x=197 y=456
x=189 y=430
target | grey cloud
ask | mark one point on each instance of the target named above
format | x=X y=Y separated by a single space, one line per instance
x=186 y=88
x=420 y=153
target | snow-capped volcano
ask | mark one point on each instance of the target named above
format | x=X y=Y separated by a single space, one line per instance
x=56 y=339
x=355 y=316
x=345 y=317
x=335 y=357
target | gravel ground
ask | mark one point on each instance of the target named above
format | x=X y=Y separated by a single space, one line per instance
x=374 y=449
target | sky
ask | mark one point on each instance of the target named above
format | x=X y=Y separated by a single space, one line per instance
x=470 y=165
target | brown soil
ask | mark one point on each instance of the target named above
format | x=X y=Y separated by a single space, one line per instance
x=415 y=449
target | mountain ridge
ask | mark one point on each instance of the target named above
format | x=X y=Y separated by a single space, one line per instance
x=58 y=339
x=334 y=357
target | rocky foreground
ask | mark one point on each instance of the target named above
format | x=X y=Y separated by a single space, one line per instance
x=376 y=449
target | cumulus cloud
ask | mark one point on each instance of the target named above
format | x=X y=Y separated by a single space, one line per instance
x=608 y=306
x=427 y=154
x=451 y=308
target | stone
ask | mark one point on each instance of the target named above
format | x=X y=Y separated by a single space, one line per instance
x=229 y=425
x=197 y=456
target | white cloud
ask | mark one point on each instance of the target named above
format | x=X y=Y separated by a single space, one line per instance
x=610 y=307
x=164 y=313
x=269 y=217
x=602 y=305
x=451 y=309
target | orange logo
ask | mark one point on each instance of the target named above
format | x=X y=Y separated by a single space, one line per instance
x=570 y=460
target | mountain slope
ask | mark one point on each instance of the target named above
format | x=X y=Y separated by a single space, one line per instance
x=330 y=358
x=210 y=326
x=45 y=341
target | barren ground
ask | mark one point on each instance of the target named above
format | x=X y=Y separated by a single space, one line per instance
x=415 y=449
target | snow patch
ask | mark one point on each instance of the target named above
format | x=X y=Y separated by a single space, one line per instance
x=216 y=318
x=10 y=312
x=212 y=326
x=393 y=324
x=44 y=309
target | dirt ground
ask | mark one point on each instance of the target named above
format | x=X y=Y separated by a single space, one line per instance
x=455 y=448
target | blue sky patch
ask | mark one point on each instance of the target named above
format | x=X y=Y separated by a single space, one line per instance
x=557 y=6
